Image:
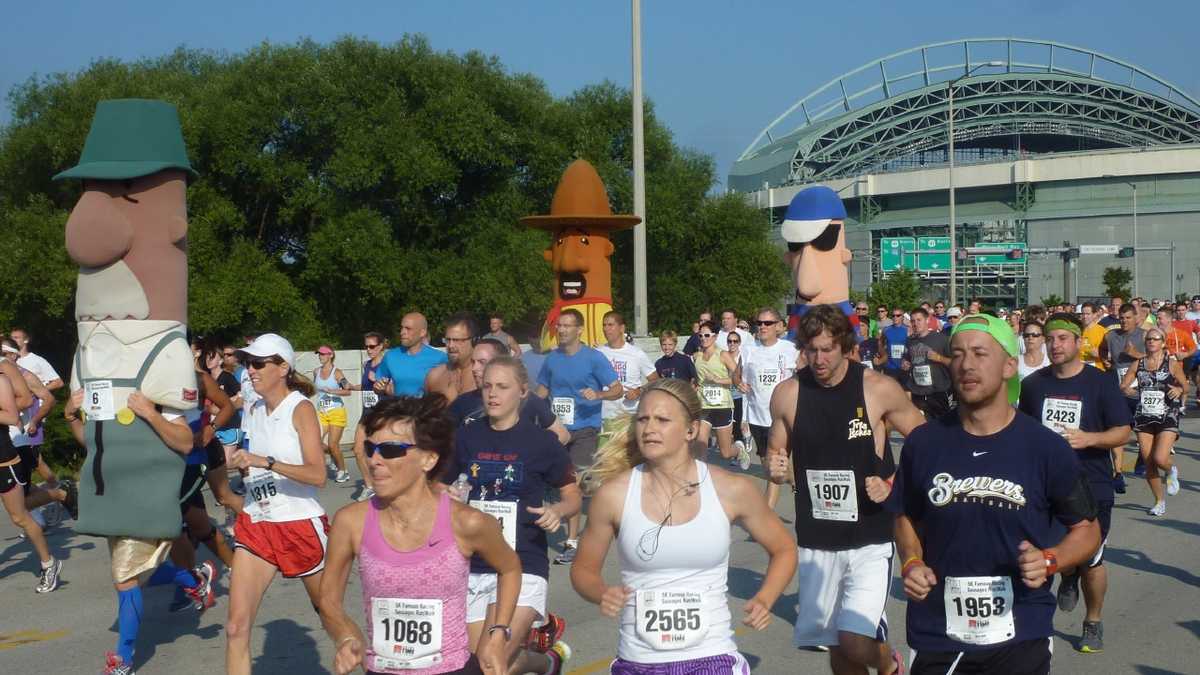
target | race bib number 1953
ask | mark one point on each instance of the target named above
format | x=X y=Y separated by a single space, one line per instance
x=979 y=609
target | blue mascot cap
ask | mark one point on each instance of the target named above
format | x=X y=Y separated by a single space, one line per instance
x=810 y=213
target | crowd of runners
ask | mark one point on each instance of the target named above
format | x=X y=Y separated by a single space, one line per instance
x=1010 y=424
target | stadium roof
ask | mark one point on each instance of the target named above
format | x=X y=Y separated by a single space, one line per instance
x=1012 y=96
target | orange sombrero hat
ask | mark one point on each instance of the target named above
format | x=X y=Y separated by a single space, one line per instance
x=580 y=199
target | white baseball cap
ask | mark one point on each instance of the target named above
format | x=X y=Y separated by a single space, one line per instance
x=270 y=344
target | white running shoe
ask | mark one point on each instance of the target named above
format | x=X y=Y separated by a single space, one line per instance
x=367 y=493
x=341 y=477
x=1159 y=509
x=1173 y=481
x=743 y=455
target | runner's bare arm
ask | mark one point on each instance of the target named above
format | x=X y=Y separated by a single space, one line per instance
x=749 y=507
x=21 y=392
x=1177 y=373
x=560 y=431
x=71 y=415
x=604 y=513
x=613 y=392
x=214 y=393
x=175 y=433
x=885 y=395
x=918 y=578
x=1130 y=376
x=42 y=392
x=1080 y=544
x=312 y=471
x=9 y=412
x=343 y=384
x=437 y=380
x=339 y=554
x=480 y=534
x=783 y=409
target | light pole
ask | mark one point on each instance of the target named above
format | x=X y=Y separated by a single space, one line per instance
x=953 y=238
x=641 y=320
x=1133 y=186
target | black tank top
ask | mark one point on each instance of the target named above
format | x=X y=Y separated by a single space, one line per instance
x=832 y=434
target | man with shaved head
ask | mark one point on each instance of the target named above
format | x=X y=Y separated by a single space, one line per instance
x=403 y=370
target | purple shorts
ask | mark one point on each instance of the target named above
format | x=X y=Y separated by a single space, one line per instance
x=722 y=664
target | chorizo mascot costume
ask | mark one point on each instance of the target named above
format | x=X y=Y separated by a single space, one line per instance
x=579 y=223
x=128 y=233
x=815 y=232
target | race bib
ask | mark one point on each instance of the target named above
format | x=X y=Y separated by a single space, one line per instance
x=98 y=400
x=867 y=364
x=1154 y=403
x=897 y=351
x=769 y=377
x=670 y=618
x=564 y=409
x=406 y=634
x=979 y=609
x=1121 y=376
x=261 y=491
x=506 y=513
x=1060 y=414
x=370 y=399
x=713 y=394
x=922 y=376
x=327 y=402
x=833 y=494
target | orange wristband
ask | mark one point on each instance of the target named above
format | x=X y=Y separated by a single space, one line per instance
x=909 y=563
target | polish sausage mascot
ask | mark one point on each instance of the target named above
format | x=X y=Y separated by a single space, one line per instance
x=815 y=231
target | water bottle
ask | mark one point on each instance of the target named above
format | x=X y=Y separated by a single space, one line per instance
x=461 y=488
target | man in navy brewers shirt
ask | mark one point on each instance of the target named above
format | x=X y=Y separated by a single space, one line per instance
x=1087 y=409
x=980 y=500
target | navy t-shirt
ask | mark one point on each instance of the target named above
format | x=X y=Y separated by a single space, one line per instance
x=516 y=464
x=468 y=408
x=1089 y=401
x=973 y=500
x=677 y=365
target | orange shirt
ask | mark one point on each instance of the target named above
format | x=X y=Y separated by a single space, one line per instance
x=1179 y=341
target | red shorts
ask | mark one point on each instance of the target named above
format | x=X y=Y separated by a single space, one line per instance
x=296 y=547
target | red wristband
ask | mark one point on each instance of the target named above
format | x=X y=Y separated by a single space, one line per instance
x=1051 y=557
x=910 y=563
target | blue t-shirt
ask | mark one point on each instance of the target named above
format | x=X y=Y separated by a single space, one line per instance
x=468 y=408
x=516 y=464
x=974 y=499
x=533 y=361
x=677 y=366
x=408 y=371
x=566 y=375
x=894 y=339
x=1092 y=396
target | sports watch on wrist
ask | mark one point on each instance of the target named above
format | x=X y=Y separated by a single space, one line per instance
x=1051 y=561
x=270 y=463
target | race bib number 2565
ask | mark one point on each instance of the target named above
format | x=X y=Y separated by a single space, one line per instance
x=670 y=619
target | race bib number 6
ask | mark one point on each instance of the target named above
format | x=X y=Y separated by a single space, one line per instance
x=406 y=634
x=979 y=609
x=98 y=400
x=670 y=618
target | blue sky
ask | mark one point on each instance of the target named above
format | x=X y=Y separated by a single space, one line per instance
x=718 y=71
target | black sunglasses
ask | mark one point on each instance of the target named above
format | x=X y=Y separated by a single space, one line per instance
x=228 y=353
x=259 y=364
x=387 y=449
x=708 y=335
x=765 y=323
x=1031 y=335
x=372 y=346
x=824 y=241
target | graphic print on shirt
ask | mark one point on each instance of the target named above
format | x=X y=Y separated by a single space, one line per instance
x=858 y=426
x=499 y=476
x=976 y=489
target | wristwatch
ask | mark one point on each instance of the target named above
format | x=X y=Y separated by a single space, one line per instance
x=270 y=463
x=506 y=629
x=1051 y=561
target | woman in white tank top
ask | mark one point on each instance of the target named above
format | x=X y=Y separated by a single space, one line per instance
x=282 y=527
x=670 y=515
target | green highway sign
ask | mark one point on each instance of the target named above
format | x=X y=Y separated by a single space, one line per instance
x=896 y=253
x=934 y=254
x=1001 y=257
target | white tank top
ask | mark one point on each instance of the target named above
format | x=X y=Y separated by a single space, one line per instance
x=270 y=496
x=693 y=556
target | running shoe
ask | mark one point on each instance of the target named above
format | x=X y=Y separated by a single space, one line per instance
x=1139 y=469
x=543 y=638
x=1068 y=592
x=341 y=477
x=559 y=654
x=329 y=463
x=1173 y=481
x=1092 y=641
x=751 y=444
x=1119 y=484
x=367 y=493
x=71 y=503
x=48 y=581
x=52 y=513
x=743 y=456
x=180 y=601
x=113 y=665
x=568 y=554
x=202 y=594
x=1159 y=509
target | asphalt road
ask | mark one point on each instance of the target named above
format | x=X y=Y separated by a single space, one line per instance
x=1151 y=622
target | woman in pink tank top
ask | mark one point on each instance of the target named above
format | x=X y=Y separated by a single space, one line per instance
x=414 y=548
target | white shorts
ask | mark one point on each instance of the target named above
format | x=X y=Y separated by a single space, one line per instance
x=481 y=592
x=842 y=591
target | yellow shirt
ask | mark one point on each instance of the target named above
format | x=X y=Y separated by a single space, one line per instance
x=1093 y=337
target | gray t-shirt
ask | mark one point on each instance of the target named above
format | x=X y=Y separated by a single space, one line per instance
x=925 y=376
x=1116 y=340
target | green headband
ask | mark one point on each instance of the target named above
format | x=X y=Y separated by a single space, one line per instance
x=1063 y=324
x=1002 y=334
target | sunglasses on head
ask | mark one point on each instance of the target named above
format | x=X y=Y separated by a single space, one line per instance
x=824 y=241
x=387 y=449
x=259 y=364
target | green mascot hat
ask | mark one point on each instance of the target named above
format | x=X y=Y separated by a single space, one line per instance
x=129 y=138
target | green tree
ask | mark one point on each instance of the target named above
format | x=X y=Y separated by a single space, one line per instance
x=1116 y=282
x=901 y=288
x=1052 y=300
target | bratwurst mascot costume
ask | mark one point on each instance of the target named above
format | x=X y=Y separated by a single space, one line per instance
x=815 y=232
x=128 y=233
x=580 y=221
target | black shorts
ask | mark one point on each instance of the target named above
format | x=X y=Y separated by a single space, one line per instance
x=470 y=668
x=30 y=455
x=10 y=477
x=190 y=494
x=582 y=446
x=737 y=411
x=717 y=418
x=1030 y=657
x=761 y=436
x=216 y=454
x=934 y=405
x=1104 y=509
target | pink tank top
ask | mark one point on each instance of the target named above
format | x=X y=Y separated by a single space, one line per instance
x=435 y=571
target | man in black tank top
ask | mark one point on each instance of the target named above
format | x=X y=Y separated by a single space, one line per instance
x=831 y=419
